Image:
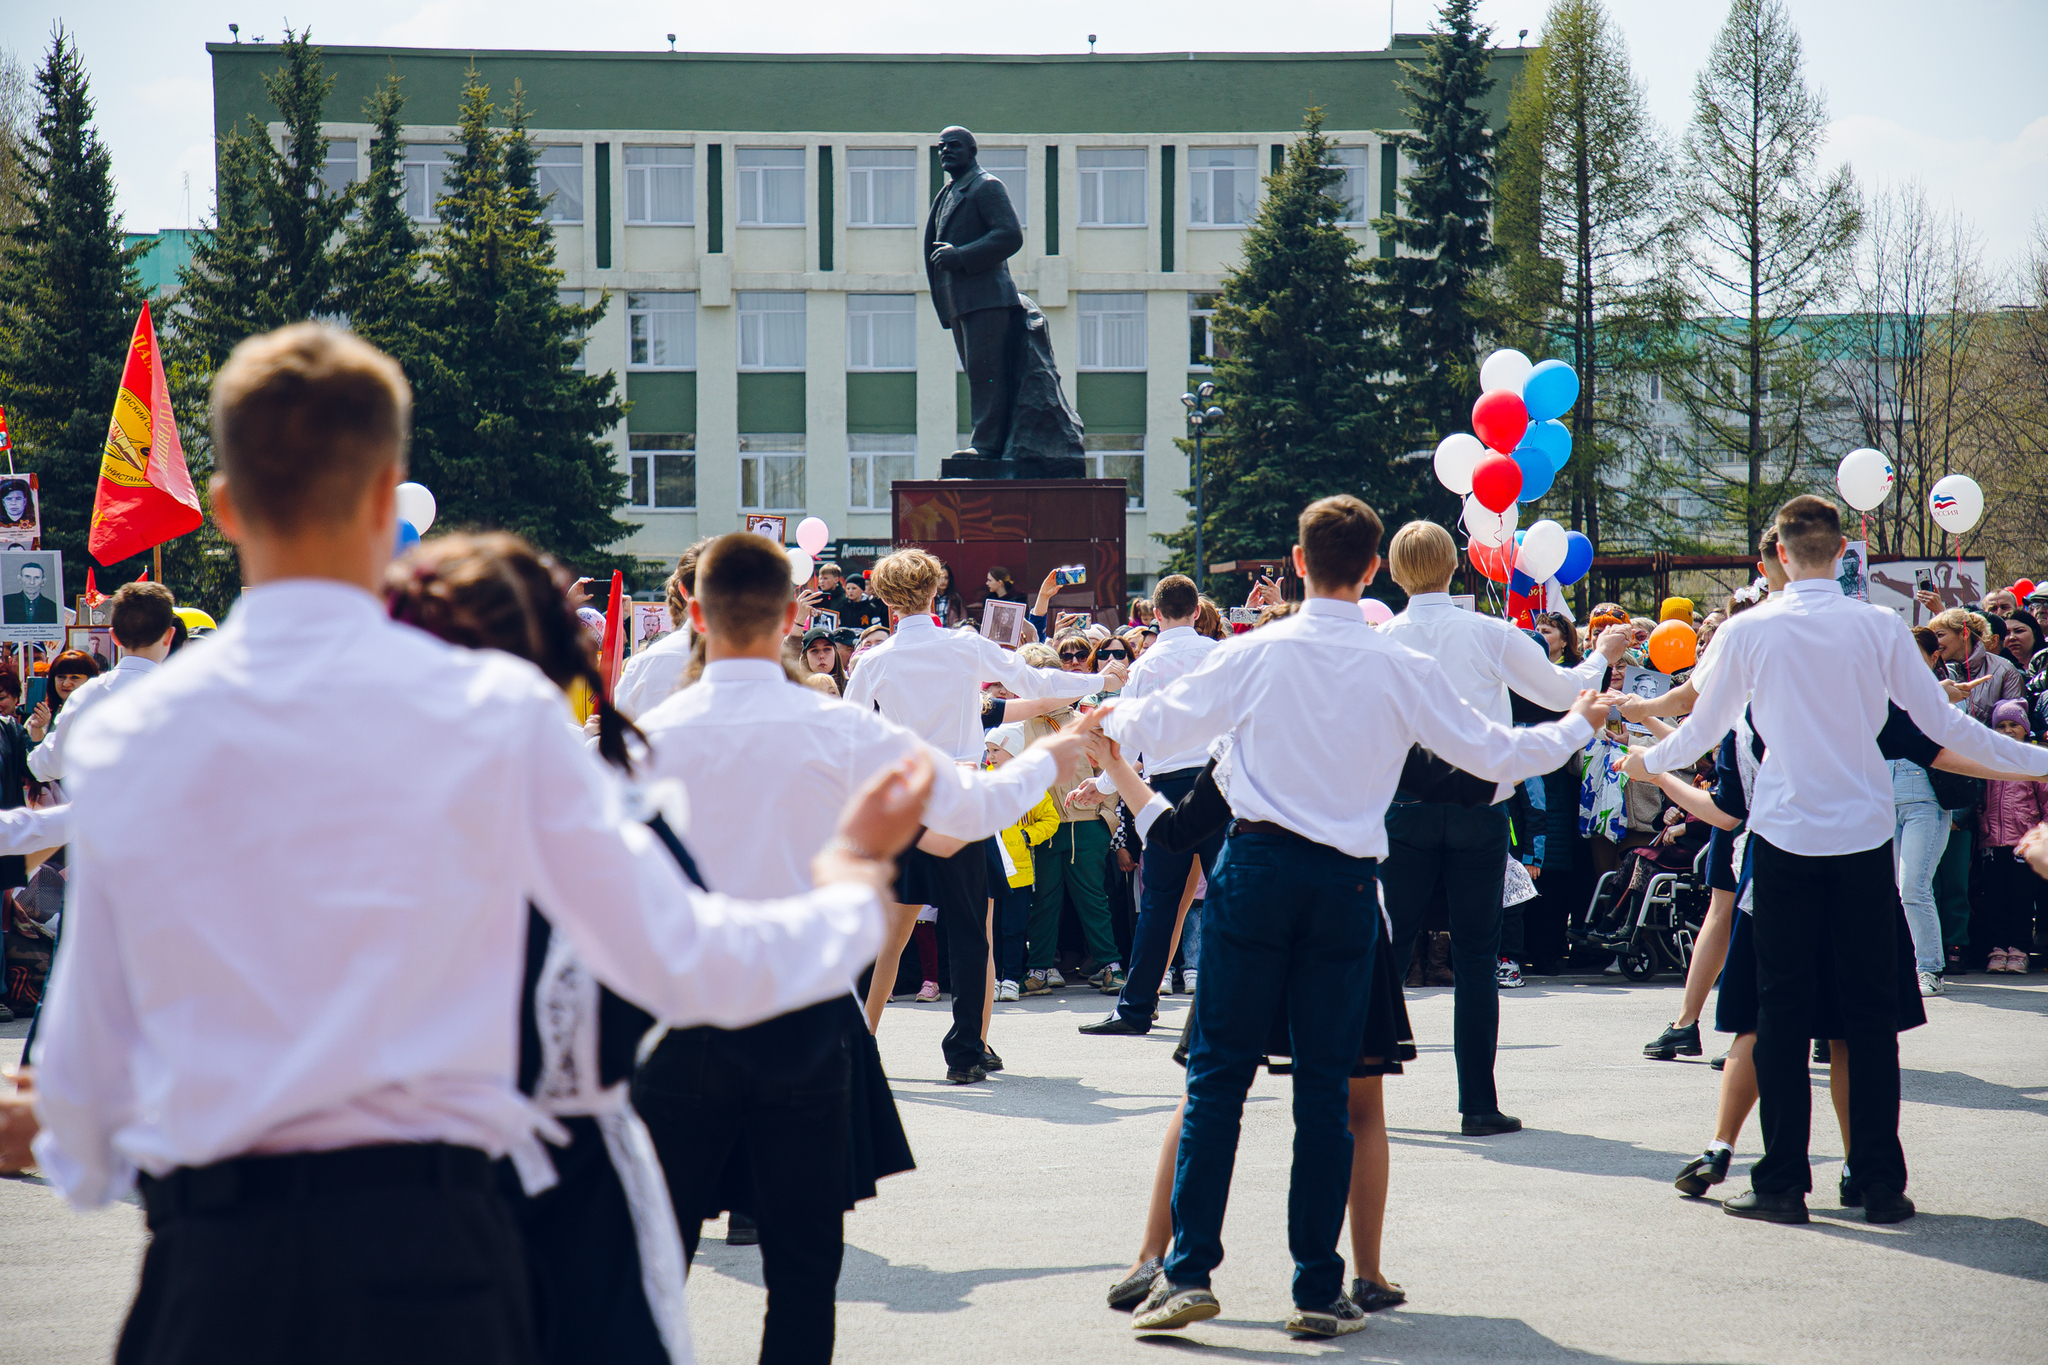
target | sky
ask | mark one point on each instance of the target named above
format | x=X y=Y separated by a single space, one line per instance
x=1962 y=106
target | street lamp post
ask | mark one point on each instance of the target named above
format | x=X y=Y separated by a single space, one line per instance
x=1200 y=419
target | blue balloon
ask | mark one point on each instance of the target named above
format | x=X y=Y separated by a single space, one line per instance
x=1578 y=558
x=1537 y=471
x=1520 y=583
x=1553 y=438
x=408 y=537
x=1550 y=390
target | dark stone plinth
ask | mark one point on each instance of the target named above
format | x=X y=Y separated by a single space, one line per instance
x=1026 y=467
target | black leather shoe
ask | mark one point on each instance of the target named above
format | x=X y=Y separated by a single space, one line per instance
x=1719 y=1062
x=1486 y=1125
x=1850 y=1192
x=967 y=1077
x=1130 y=1291
x=1703 y=1172
x=989 y=1060
x=1771 y=1208
x=1881 y=1205
x=1372 y=1297
x=742 y=1231
x=1115 y=1026
x=1674 y=1042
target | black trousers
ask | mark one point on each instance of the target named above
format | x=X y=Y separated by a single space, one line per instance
x=1846 y=908
x=984 y=339
x=1467 y=851
x=398 y=1272
x=704 y=1092
x=958 y=888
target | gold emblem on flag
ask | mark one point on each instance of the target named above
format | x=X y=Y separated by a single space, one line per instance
x=126 y=458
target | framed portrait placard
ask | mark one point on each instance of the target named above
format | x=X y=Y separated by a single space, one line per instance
x=767 y=524
x=650 y=623
x=1003 y=621
x=31 y=583
x=97 y=642
x=21 y=513
x=90 y=614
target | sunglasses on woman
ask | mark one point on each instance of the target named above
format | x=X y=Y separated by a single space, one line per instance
x=1068 y=656
x=1115 y=654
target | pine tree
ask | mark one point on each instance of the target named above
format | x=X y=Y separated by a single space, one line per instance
x=69 y=297
x=1294 y=373
x=506 y=429
x=1430 y=288
x=379 y=281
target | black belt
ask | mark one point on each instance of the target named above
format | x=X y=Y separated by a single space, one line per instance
x=1268 y=827
x=299 y=1177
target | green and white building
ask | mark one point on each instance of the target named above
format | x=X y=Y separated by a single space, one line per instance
x=757 y=220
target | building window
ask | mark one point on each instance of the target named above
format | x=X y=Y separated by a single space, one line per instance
x=1112 y=331
x=558 y=177
x=772 y=472
x=1656 y=388
x=1203 y=347
x=1119 y=457
x=771 y=330
x=338 y=171
x=771 y=186
x=573 y=298
x=427 y=165
x=1007 y=165
x=1112 y=186
x=881 y=187
x=1350 y=191
x=881 y=331
x=874 y=463
x=1223 y=186
x=661 y=185
x=664 y=471
x=661 y=331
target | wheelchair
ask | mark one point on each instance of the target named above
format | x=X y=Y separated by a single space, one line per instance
x=1654 y=934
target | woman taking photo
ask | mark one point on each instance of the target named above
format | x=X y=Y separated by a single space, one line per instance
x=69 y=671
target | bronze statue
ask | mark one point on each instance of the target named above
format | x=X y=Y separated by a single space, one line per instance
x=1020 y=411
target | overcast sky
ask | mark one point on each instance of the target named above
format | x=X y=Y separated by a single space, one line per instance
x=1961 y=105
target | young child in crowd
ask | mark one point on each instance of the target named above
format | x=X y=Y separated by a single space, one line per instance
x=2004 y=919
x=1010 y=876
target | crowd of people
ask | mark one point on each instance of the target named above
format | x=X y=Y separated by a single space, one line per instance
x=611 y=959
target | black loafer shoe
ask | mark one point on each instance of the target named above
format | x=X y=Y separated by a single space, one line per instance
x=1770 y=1208
x=1851 y=1193
x=1115 y=1026
x=1881 y=1205
x=967 y=1077
x=1703 y=1172
x=1486 y=1125
x=1674 y=1042
x=1719 y=1062
x=1130 y=1291
x=1373 y=1297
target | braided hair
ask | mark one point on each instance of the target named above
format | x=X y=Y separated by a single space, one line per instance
x=494 y=591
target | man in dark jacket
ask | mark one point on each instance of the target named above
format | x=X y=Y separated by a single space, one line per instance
x=970 y=235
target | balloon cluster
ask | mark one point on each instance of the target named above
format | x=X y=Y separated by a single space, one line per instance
x=811 y=537
x=1518 y=449
x=415 y=516
x=1865 y=479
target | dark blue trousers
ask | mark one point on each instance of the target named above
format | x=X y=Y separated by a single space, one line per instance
x=1165 y=878
x=1286 y=920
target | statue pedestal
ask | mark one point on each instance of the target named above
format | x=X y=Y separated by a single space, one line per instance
x=1027 y=467
x=1027 y=525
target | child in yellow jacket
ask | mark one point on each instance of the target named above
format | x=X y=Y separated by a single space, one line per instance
x=1009 y=872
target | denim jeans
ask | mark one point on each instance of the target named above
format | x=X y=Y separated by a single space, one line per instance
x=1293 y=921
x=1920 y=834
x=1012 y=914
x=1165 y=878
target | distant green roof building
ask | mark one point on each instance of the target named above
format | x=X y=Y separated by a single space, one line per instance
x=171 y=252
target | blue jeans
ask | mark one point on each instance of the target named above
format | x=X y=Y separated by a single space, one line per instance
x=1289 y=921
x=1165 y=878
x=1012 y=914
x=1920 y=834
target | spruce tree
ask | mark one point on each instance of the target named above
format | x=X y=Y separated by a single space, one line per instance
x=1294 y=373
x=1429 y=289
x=506 y=430
x=69 y=297
x=379 y=284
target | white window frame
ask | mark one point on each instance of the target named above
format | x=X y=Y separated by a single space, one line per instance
x=1092 y=183
x=865 y=492
x=751 y=184
x=1099 y=450
x=1207 y=318
x=1012 y=166
x=1355 y=177
x=646 y=451
x=781 y=447
x=861 y=315
x=433 y=187
x=644 y=311
x=1095 y=316
x=641 y=177
x=864 y=178
x=341 y=151
x=573 y=298
x=753 y=310
x=1205 y=178
x=560 y=207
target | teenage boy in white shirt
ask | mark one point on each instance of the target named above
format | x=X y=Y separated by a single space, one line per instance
x=652 y=676
x=145 y=620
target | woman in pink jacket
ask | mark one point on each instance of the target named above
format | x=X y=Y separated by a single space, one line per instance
x=2004 y=919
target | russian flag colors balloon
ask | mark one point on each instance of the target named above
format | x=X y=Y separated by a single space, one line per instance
x=1497 y=483
x=1504 y=370
x=1456 y=456
x=1495 y=561
x=1578 y=558
x=1956 y=503
x=1544 y=547
x=1550 y=390
x=1864 y=478
x=1553 y=438
x=1537 y=472
x=1499 y=419
x=1515 y=417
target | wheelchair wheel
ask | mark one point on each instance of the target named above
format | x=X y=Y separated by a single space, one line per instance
x=1639 y=961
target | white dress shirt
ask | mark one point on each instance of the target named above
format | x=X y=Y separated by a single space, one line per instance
x=46 y=760
x=769 y=765
x=652 y=676
x=1324 y=709
x=1177 y=652
x=298 y=887
x=1484 y=656
x=1815 y=669
x=929 y=681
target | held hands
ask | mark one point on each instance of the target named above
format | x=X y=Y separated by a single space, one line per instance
x=1633 y=767
x=1115 y=675
x=1594 y=707
x=877 y=824
x=1087 y=796
x=1070 y=745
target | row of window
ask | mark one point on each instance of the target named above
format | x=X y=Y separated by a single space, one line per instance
x=881 y=330
x=881 y=183
x=773 y=470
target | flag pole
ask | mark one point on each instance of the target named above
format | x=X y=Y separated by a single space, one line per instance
x=157 y=562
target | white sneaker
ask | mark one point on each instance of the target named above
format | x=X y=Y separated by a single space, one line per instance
x=1508 y=974
x=1006 y=992
x=1054 y=979
x=1187 y=980
x=1930 y=984
x=1166 y=984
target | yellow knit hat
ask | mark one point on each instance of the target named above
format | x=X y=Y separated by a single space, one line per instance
x=1676 y=609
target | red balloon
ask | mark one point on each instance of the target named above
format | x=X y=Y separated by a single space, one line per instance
x=1495 y=561
x=1496 y=482
x=2022 y=588
x=1500 y=419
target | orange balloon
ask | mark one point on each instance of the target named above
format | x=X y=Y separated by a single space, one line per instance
x=1673 y=645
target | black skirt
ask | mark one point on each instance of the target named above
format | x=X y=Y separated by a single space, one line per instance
x=1735 y=1002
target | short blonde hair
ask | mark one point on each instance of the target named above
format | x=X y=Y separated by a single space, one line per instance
x=1039 y=654
x=1960 y=622
x=1422 y=557
x=907 y=580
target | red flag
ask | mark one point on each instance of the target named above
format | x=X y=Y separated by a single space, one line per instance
x=92 y=590
x=145 y=495
x=614 y=636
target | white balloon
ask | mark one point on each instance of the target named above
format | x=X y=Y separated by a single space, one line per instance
x=1544 y=547
x=799 y=566
x=1955 y=503
x=1490 y=528
x=811 y=535
x=1455 y=457
x=1865 y=478
x=1504 y=370
x=416 y=505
